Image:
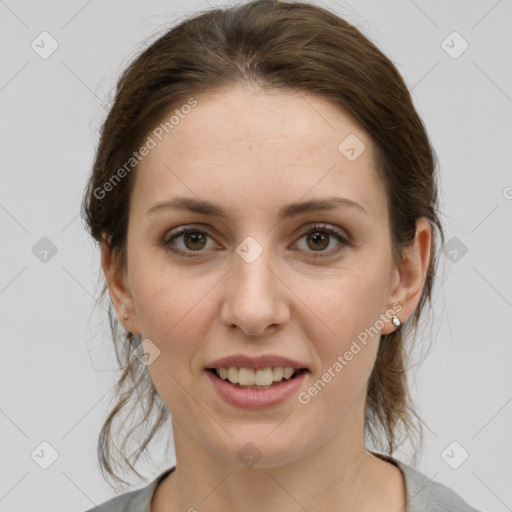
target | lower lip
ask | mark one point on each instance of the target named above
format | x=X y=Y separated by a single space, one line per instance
x=257 y=398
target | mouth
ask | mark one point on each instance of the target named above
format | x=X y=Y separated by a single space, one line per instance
x=248 y=378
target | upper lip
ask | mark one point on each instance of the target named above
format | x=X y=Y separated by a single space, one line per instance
x=256 y=363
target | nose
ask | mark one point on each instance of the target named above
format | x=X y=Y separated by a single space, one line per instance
x=255 y=296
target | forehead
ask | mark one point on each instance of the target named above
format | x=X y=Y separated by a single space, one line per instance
x=250 y=145
x=249 y=117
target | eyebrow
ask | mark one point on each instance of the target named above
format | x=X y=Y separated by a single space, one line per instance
x=288 y=211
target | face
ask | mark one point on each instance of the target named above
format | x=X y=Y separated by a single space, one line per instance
x=304 y=286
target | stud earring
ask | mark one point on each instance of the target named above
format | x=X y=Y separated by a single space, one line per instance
x=396 y=321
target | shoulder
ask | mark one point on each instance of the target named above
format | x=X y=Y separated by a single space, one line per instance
x=134 y=501
x=425 y=495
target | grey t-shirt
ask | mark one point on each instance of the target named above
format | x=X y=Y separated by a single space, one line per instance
x=423 y=495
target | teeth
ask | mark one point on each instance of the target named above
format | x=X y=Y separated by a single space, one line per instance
x=288 y=372
x=278 y=373
x=233 y=375
x=246 y=377
x=250 y=377
x=263 y=377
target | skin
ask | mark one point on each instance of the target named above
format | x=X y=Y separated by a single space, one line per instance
x=253 y=151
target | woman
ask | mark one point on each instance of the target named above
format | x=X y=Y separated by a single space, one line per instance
x=265 y=198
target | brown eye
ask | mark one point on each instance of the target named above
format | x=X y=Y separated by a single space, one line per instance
x=194 y=240
x=318 y=240
x=319 y=237
x=191 y=241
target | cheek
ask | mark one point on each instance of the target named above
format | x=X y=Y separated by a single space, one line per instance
x=172 y=313
x=344 y=304
x=344 y=332
x=172 y=309
x=345 y=344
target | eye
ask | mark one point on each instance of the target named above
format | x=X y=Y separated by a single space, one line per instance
x=319 y=237
x=193 y=241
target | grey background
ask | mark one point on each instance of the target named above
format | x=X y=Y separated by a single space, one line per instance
x=56 y=368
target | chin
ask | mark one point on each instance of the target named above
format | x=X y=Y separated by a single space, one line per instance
x=259 y=446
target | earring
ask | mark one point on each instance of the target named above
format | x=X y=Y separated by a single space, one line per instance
x=396 y=321
x=125 y=313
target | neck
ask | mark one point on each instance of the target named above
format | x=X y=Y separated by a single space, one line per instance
x=338 y=474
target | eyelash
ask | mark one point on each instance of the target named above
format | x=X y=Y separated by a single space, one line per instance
x=322 y=228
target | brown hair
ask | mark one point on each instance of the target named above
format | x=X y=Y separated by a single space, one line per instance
x=278 y=45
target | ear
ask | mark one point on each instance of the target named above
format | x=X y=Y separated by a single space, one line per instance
x=408 y=279
x=119 y=289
